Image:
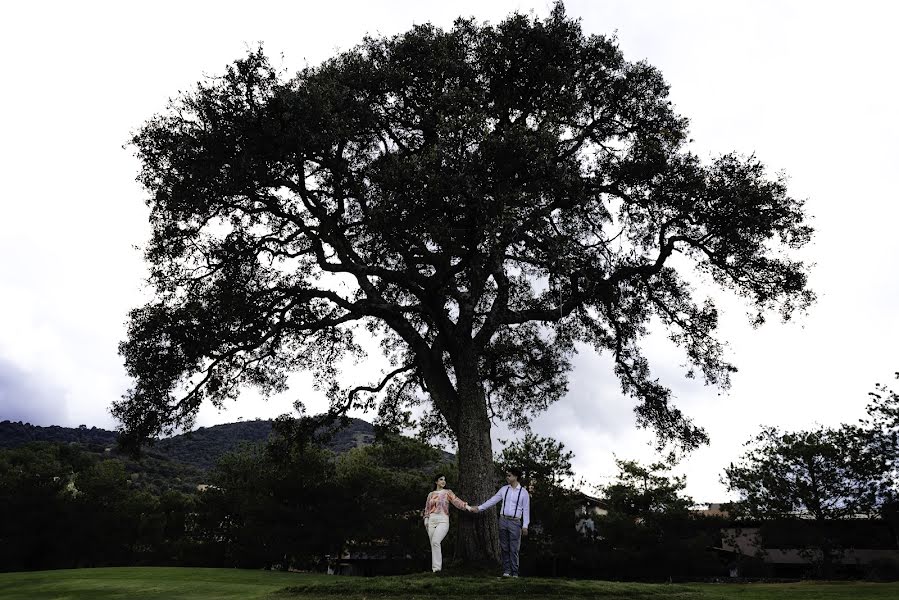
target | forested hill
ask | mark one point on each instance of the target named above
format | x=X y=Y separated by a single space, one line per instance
x=14 y=434
x=204 y=446
x=200 y=448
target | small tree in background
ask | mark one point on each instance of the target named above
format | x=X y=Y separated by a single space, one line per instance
x=650 y=532
x=825 y=474
x=645 y=492
x=272 y=504
x=35 y=529
x=383 y=488
x=544 y=462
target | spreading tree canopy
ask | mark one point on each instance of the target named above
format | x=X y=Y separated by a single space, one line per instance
x=825 y=473
x=480 y=199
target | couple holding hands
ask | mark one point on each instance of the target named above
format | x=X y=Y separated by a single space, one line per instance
x=514 y=517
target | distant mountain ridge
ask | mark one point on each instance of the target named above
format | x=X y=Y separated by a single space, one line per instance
x=16 y=433
x=200 y=448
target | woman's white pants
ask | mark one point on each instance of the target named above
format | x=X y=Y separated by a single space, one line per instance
x=438 y=525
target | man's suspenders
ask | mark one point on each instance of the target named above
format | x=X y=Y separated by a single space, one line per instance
x=517 y=503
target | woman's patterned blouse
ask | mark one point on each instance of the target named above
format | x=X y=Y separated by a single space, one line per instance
x=438 y=502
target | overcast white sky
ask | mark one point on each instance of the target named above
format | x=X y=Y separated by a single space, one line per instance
x=810 y=87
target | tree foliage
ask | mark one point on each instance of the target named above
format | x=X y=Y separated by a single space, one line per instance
x=544 y=462
x=287 y=502
x=644 y=492
x=290 y=502
x=650 y=531
x=825 y=473
x=72 y=508
x=481 y=198
x=883 y=414
x=828 y=474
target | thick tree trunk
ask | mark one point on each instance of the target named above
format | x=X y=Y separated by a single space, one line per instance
x=478 y=539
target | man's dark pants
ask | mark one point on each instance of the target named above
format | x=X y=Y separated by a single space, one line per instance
x=509 y=543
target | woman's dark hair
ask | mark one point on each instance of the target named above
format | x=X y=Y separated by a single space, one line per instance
x=436 y=477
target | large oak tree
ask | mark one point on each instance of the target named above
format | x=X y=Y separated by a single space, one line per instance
x=480 y=199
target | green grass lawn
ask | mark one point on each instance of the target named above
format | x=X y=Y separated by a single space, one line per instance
x=143 y=583
x=158 y=583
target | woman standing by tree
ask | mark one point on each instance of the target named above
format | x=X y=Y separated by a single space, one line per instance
x=436 y=516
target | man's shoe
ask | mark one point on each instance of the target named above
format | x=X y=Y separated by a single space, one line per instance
x=506 y=575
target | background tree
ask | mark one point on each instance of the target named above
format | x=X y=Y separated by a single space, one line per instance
x=100 y=495
x=68 y=507
x=883 y=421
x=826 y=474
x=273 y=505
x=35 y=529
x=883 y=411
x=544 y=462
x=291 y=503
x=478 y=199
x=649 y=531
x=644 y=492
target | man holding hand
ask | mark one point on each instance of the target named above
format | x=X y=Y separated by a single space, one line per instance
x=514 y=518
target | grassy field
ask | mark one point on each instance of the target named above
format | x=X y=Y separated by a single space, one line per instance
x=157 y=583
